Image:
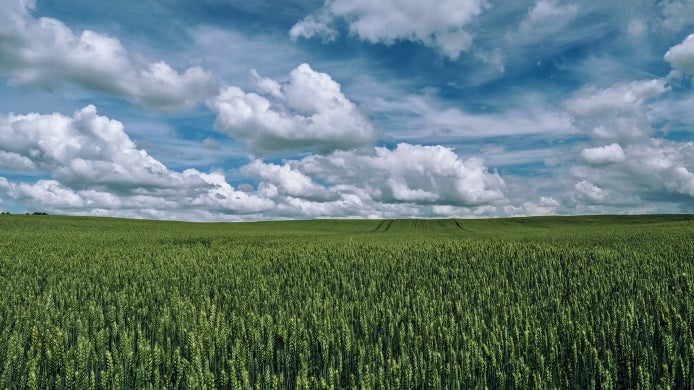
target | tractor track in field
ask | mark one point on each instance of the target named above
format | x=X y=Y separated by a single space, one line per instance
x=383 y=226
x=461 y=226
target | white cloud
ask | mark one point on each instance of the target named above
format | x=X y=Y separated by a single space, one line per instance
x=210 y=144
x=316 y=25
x=664 y=166
x=440 y=24
x=409 y=181
x=420 y=118
x=307 y=112
x=654 y=169
x=546 y=17
x=223 y=198
x=547 y=205
x=681 y=56
x=266 y=85
x=46 y=53
x=286 y=180
x=411 y=173
x=640 y=167
x=591 y=192
x=544 y=29
x=494 y=58
x=96 y=169
x=616 y=112
x=636 y=28
x=603 y=155
x=95 y=165
x=15 y=161
x=677 y=14
x=309 y=91
x=85 y=147
x=50 y=193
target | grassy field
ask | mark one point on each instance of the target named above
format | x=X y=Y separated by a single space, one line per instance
x=547 y=302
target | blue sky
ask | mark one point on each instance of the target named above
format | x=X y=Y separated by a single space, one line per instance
x=248 y=110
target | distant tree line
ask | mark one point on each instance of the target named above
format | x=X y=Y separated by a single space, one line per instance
x=34 y=213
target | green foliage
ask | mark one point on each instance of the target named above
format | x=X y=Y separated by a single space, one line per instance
x=555 y=302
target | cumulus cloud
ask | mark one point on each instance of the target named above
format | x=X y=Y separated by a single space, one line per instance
x=285 y=180
x=642 y=165
x=408 y=181
x=591 y=192
x=214 y=203
x=603 y=155
x=307 y=112
x=681 y=56
x=411 y=173
x=663 y=166
x=15 y=162
x=84 y=147
x=93 y=165
x=46 y=53
x=440 y=24
x=50 y=193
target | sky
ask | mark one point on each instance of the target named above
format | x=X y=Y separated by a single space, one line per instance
x=230 y=110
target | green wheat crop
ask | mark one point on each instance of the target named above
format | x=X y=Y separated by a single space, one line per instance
x=584 y=302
